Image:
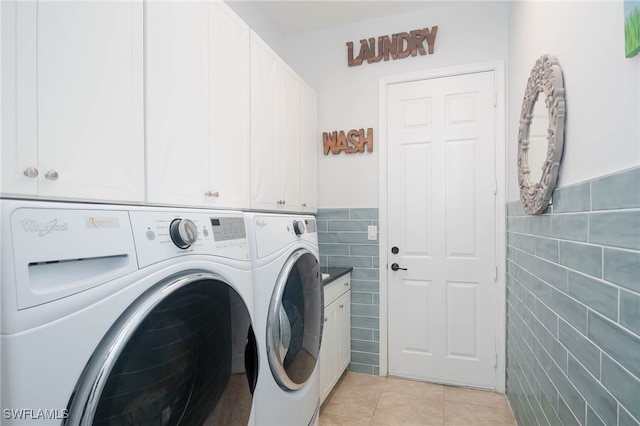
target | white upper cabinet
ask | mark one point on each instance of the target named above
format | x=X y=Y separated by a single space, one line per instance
x=283 y=116
x=74 y=71
x=168 y=103
x=229 y=108
x=287 y=164
x=176 y=102
x=197 y=105
x=266 y=70
x=308 y=149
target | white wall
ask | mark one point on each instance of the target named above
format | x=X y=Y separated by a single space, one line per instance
x=250 y=13
x=348 y=97
x=602 y=86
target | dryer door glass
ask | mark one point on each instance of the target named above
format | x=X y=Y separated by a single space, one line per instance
x=294 y=327
x=184 y=356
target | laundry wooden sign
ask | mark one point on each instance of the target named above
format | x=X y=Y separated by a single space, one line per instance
x=350 y=142
x=398 y=46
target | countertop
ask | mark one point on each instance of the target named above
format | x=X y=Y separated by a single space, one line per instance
x=334 y=273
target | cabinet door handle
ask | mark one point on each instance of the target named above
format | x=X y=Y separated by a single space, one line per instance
x=51 y=175
x=326 y=319
x=31 y=172
x=213 y=194
x=341 y=306
x=346 y=284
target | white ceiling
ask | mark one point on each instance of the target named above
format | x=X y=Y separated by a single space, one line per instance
x=296 y=16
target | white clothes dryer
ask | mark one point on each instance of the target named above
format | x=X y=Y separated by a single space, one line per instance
x=288 y=308
x=123 y=315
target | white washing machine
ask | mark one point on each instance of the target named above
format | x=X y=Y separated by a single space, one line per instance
x=121 y=315
x=288 y=313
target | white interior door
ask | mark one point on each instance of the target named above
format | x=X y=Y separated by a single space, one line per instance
x=441 y=218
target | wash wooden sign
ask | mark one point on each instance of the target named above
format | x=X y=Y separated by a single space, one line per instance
x=350 y=142
x=398 y=46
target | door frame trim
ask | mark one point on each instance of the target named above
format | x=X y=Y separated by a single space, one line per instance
x=500 y=129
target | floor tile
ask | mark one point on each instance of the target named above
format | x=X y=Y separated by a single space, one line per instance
x=333 y=420
x=415 y=388
x=350 y=379
x=475 y=396
x=352 y=402
x=360 y=399
x=459 y=413
x=402 y=409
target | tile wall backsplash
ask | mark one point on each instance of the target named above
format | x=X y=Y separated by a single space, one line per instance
x=573 y=306
x=342 y=234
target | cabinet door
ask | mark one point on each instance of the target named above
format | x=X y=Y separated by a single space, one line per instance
x=329 y=351
x=82 y=76
x=288 y=137
x=308 y=149
x=177 y=96
x=344 y=331
x=265 y=194
x=19 y=149
x=229 y=108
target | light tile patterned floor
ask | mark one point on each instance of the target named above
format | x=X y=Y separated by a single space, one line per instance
x=360 y=399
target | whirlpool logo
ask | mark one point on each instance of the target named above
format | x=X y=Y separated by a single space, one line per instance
x=44 y=228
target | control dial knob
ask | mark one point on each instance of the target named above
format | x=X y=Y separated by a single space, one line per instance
x=298 y=227
x=183 y=232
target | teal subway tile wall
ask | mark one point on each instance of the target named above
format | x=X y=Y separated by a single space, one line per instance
x=342 y=234
x=573 y=306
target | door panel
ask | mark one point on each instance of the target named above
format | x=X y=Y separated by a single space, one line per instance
x=441 y=213
x=417 y=158
x=461 y=200
x=415 y=296
x=462 y=312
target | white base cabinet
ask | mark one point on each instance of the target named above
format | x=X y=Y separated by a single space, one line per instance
x=335 y=352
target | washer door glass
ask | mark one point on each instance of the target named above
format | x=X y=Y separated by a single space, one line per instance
x=185 y=354
x=294 y=326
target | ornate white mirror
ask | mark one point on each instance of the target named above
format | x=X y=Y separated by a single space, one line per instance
x=541 y=134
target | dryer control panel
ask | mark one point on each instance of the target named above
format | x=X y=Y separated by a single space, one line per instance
x=164 y=235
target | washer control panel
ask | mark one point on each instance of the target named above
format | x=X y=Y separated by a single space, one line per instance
x=183 y=232
x=228 y=228
x=163 y=235
x=272 y=232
